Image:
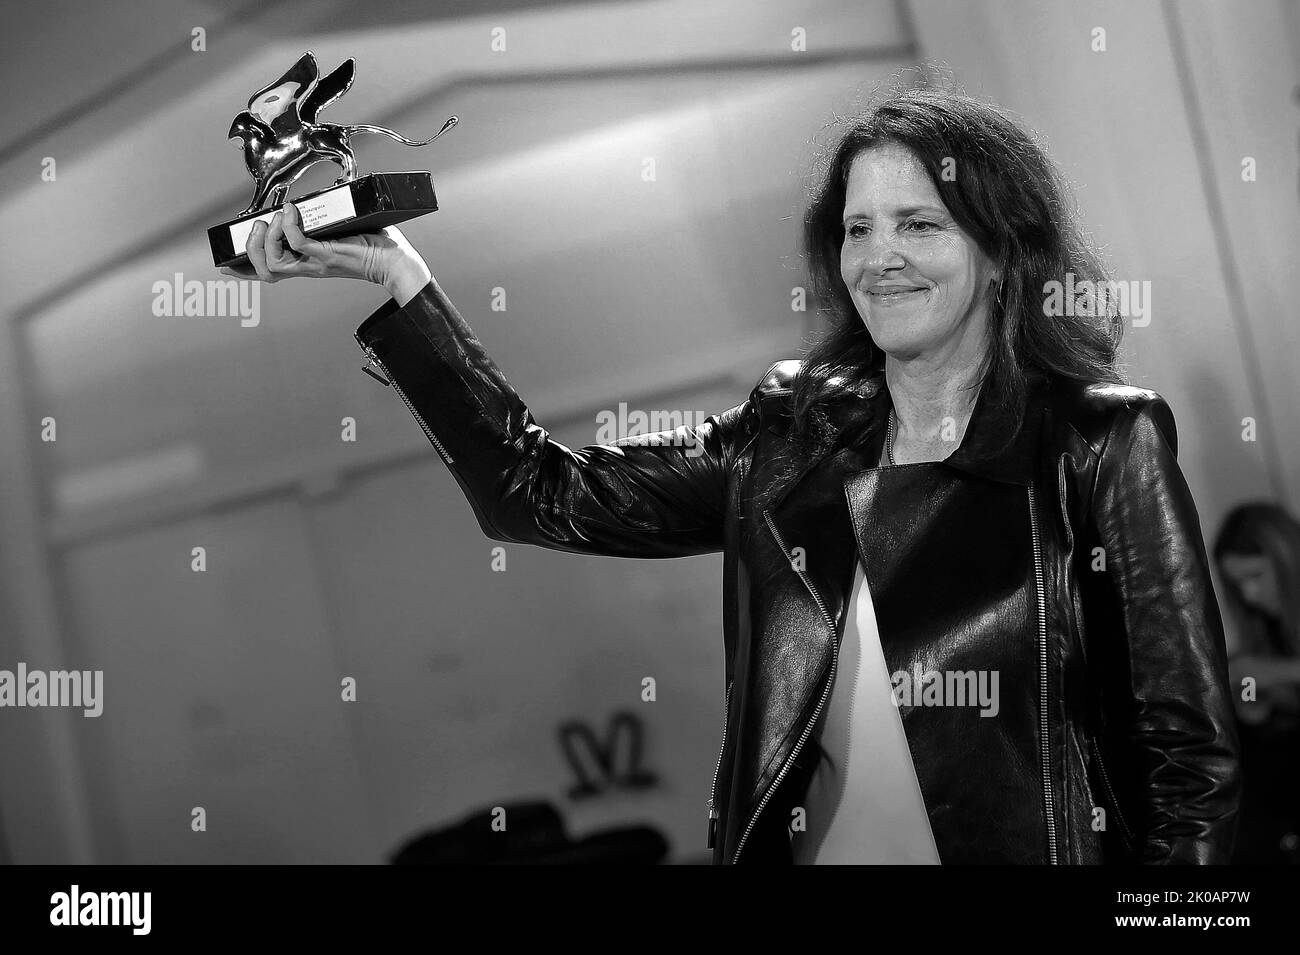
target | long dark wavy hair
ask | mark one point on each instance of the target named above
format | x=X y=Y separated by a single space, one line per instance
x=1008 y=197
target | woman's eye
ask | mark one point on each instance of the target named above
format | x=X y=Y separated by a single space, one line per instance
x=920 y=225
x=857 y=230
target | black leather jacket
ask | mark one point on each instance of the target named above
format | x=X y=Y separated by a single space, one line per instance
x=1058 y=545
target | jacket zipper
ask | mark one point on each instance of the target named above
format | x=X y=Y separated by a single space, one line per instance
x=803 y=738
x=389 y=380
x=1048 y=801
x=713 y=793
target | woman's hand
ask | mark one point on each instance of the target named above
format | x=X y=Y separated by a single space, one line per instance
x=281 y=251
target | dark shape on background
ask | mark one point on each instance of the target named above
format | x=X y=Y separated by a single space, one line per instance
x=614 y=764
x=534 y=835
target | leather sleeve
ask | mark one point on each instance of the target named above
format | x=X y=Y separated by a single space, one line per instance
x=1178 y=717
x=647 y=496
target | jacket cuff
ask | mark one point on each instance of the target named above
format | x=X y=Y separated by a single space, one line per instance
x=372 y=328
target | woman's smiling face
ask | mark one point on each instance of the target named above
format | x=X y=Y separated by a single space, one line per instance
x=919 y=282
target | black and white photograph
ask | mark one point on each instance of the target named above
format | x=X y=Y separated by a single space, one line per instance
x=439 y=433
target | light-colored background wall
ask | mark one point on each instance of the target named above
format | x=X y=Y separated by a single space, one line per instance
x=330 y=559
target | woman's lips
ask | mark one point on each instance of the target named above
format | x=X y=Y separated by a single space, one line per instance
x=895 y=296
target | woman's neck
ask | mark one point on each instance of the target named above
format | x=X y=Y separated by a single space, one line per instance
x=932 y=406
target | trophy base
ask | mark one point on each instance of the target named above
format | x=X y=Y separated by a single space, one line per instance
x=366 y=204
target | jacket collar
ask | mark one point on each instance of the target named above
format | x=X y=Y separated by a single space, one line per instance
x=1001 y=437
x=999 y=442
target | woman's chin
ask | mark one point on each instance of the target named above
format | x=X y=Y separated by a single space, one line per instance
x=895 y=346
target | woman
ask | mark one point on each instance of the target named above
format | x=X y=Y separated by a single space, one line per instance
x=1258 y=554
x=953 y=485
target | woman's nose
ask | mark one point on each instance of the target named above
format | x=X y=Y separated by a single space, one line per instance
x=878 y=254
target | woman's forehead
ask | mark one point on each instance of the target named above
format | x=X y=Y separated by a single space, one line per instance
x=889 y=180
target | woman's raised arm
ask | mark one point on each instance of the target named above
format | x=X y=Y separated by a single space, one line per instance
x=658 y=495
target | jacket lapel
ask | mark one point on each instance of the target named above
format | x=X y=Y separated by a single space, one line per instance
x=810 y=516
x=805 y=584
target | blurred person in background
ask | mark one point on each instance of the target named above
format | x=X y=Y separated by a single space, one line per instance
x=1258 y=555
